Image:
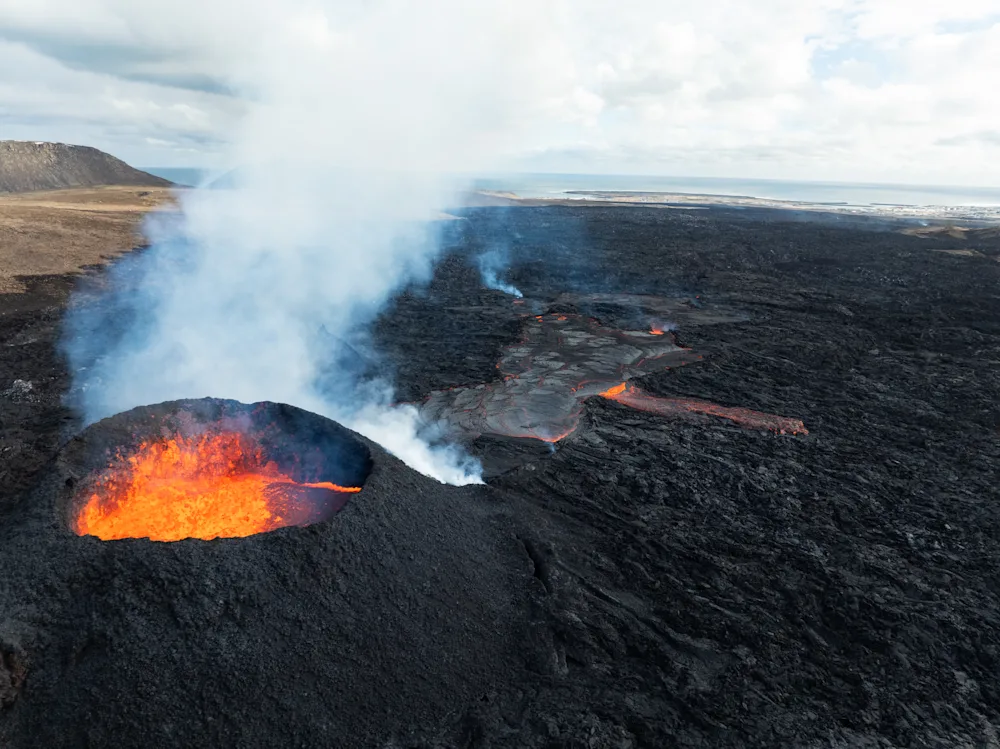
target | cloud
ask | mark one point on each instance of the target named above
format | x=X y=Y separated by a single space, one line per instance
x=833 y=90
x=984 y=138
x=48 y=100
x=830 y=89
x=888 y=20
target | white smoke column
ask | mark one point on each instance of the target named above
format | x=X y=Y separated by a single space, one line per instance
x=358 y=112
x=491 y=264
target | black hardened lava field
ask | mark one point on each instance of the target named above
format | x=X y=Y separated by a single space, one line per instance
x=741 y=491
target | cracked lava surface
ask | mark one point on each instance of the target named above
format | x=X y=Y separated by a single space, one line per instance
x=564 y=359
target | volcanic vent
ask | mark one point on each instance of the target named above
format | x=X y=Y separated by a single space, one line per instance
x=213 y=469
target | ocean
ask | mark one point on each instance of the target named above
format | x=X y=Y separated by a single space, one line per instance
x=189 y=177
x=821 y=193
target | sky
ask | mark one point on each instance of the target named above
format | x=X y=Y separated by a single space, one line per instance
x=828 y=90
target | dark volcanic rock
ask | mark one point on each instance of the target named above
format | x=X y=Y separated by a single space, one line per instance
x=667 y=582
x=32 y=421
x=28 y=166
x=708 y=585
x=409 y=602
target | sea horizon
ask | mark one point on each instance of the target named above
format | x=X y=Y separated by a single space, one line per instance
x=567 y=186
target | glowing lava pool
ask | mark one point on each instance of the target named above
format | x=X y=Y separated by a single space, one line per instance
x=232 y=476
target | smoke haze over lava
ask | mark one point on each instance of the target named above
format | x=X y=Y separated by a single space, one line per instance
x=353 y=123
x=491 y=264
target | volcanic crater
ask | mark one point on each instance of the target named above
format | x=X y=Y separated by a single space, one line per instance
x=309 y=619
x=210 y=469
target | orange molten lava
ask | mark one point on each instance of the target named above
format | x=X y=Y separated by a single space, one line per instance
x=655 y=331
x=616 y=390
x=633 y=397
x=217 y=485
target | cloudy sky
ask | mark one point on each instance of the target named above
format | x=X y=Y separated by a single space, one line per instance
x=851 y=90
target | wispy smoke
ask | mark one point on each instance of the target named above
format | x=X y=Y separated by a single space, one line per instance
x=659 y=326
x=357 y=111
x=491 y=265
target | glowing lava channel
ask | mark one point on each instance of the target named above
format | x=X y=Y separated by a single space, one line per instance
x=633 y=397
x=216 y=485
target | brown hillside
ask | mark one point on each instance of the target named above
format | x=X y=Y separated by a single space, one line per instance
x=29 y=166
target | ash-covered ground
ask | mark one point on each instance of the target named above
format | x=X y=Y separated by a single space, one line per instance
x=695 y=582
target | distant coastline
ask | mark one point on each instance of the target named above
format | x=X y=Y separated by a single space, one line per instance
x=920 y=202
x=985 y=215
x=566 y=186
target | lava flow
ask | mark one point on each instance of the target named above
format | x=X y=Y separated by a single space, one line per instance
x=564 y=359
x=633 y=397
x=216 y=485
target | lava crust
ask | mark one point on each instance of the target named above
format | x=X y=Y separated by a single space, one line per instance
x=656 y=579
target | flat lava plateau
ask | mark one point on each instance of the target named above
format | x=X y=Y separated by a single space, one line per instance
x=648 y=580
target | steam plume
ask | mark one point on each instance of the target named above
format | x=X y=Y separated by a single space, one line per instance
x=491 y=264
x=355 y=119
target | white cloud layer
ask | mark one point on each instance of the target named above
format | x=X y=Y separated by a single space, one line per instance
x=828 y=89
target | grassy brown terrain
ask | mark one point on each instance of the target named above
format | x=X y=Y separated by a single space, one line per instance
x=62 y=231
